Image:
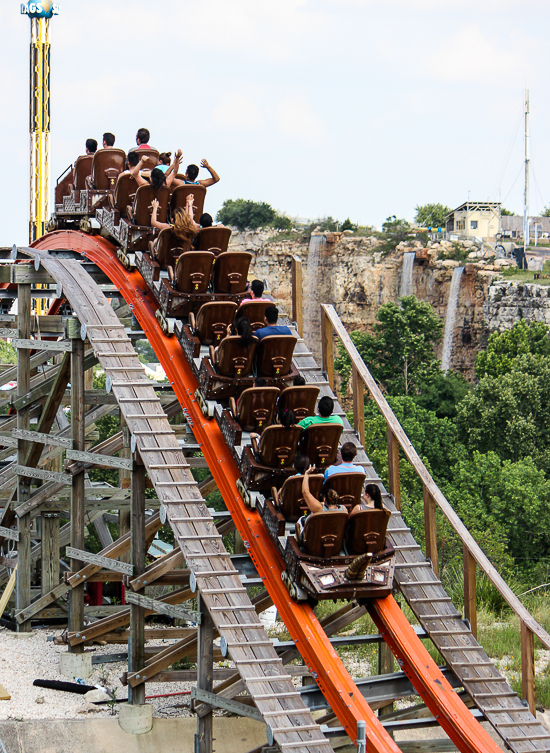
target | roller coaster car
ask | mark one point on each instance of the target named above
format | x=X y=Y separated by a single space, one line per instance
x=72 y=199
x=301 y=400
x=274 y=359
x=187 y=287
x=320 y=443
x=117 y=206
x=151 y=154
x=289 y=504
x=179 y=199
x=254 y=312
x=106 y=167
x=269 y=461
x=135 y=233
x=348 y=486
x=162 y=253
x=231 y=273
x=319 y=571
x=253 y=412
x=214 y=239
x=209 y=327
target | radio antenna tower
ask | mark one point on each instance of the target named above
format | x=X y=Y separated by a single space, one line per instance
x=39 y=14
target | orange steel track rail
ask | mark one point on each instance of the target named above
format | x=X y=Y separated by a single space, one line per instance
x=342 y=694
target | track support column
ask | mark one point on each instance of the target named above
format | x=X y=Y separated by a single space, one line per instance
x=470 y=602
x=528 y=667
x=205 y=675
x=430 y=529
x=136 y=696
x=23 y=594
x=393 y=468
x=76 y=595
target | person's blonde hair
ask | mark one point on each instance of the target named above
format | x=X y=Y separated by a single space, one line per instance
x=184 y=227
x=332 y=497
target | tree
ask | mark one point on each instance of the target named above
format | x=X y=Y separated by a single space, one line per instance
x=506 y=212
x=545 y=212
x=431 y=215
x=442 y=392
x=347 y=224
x=251 y=215
x=504 y=347
x=510 y=414
x=8 y=354
x=400 y=353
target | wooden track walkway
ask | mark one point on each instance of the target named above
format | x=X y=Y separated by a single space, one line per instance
x=227 y=600
x=435 y=612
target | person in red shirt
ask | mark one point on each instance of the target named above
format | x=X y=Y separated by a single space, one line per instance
x=142 y=140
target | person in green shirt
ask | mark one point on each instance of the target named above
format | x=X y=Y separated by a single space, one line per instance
x=325 y=407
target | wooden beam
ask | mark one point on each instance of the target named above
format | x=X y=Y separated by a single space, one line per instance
x=76 y=596
x=430 y=529
x=328 y=348
x=159 y=607
x=136 y=658
x=528 y=667
x=93 y=459
x=394 y=481
x=358 y=405
x=81 y=555
x=470 y=601
x=38 y=436
x=297 y=294
x=157 y=569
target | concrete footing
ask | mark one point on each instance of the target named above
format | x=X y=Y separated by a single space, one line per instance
x=30 y=634
x=75 y=665
x=136 y=719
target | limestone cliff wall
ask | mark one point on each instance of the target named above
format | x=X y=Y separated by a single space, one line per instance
x=357 y=278
x=508 y=301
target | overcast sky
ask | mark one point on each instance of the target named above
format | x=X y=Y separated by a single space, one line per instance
x=359 y=108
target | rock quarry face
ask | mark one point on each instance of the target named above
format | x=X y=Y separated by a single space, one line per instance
x=357 y=278
x=508 y=301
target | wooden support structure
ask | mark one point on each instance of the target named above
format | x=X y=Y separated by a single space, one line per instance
x=23 y=598
x=430 y=530
x=470 y=602
x=358 y=405
x=297 y=294
x=328 y=348
x=76 y=596
x=394 y=482
x=136 y=657
x=528 y=666
x=205 y=677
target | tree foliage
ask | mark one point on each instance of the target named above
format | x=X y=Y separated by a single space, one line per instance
x=431 y=215
x=251 y=215
x=504 y=347
x=8 y=354
x=347 y=224
x=506 y=212
x=401 y=352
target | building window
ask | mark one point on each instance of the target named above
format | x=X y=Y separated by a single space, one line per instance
x=460 y=224
x=473 y=224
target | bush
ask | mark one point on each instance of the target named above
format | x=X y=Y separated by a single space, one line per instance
x=251 y=215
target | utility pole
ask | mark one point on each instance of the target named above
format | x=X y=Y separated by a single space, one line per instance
x=526 y=192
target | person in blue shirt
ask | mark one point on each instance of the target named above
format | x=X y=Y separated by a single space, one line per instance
x=348 y=453
x=272 y=328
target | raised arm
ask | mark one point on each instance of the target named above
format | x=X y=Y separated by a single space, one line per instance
x=173 y=169
x=313 y=504
x=135 y=171
x=190 y=211
x=154 y=221
x=209 y=181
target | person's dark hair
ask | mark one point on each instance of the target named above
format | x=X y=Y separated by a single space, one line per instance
x=158 y=178
x=299 y=381
x=257 y=287
x=348 y=452
x=243 y=328
x=109 y=139
x=271 y=314
x=332 y=497
x=91 y=145
x=206 y=220
x=143 y=135
x=286 y=418
x=260 y=382
x=192 y=172
x=164 y=158
x=301 y=463
x=374 y=493
x=132 y=159
x=325 y=406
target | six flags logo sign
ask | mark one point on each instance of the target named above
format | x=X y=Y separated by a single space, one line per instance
x=45 y=9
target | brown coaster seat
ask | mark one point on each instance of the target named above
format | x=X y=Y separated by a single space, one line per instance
x=107 y=165
x=166 y=249
x=323 y=534
x=232 y=359
x=253 y=412
x=254 y=312
x=269 y=461
x=136 y=234
x=300 y=400
x=125 y=191
x=320 y=443
x=348 y=486
x=366 y=531
x=152 y=154
x=274 y=359
x=231 y=272
x=210 y=324
x=193 y=270
x=82 y=170
x=289 y=500
x=179 y=199
x=215 y=239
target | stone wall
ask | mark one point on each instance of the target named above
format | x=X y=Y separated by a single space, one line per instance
x=509 y=301
x=357 y=278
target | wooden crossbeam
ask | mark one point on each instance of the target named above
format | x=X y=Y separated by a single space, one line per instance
x=159 y=607
x=95 y=458
x=99 y=561
x=38 y=436
x=27 y=472
x=57 y=346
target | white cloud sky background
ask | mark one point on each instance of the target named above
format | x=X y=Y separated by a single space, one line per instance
x=357 y=108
